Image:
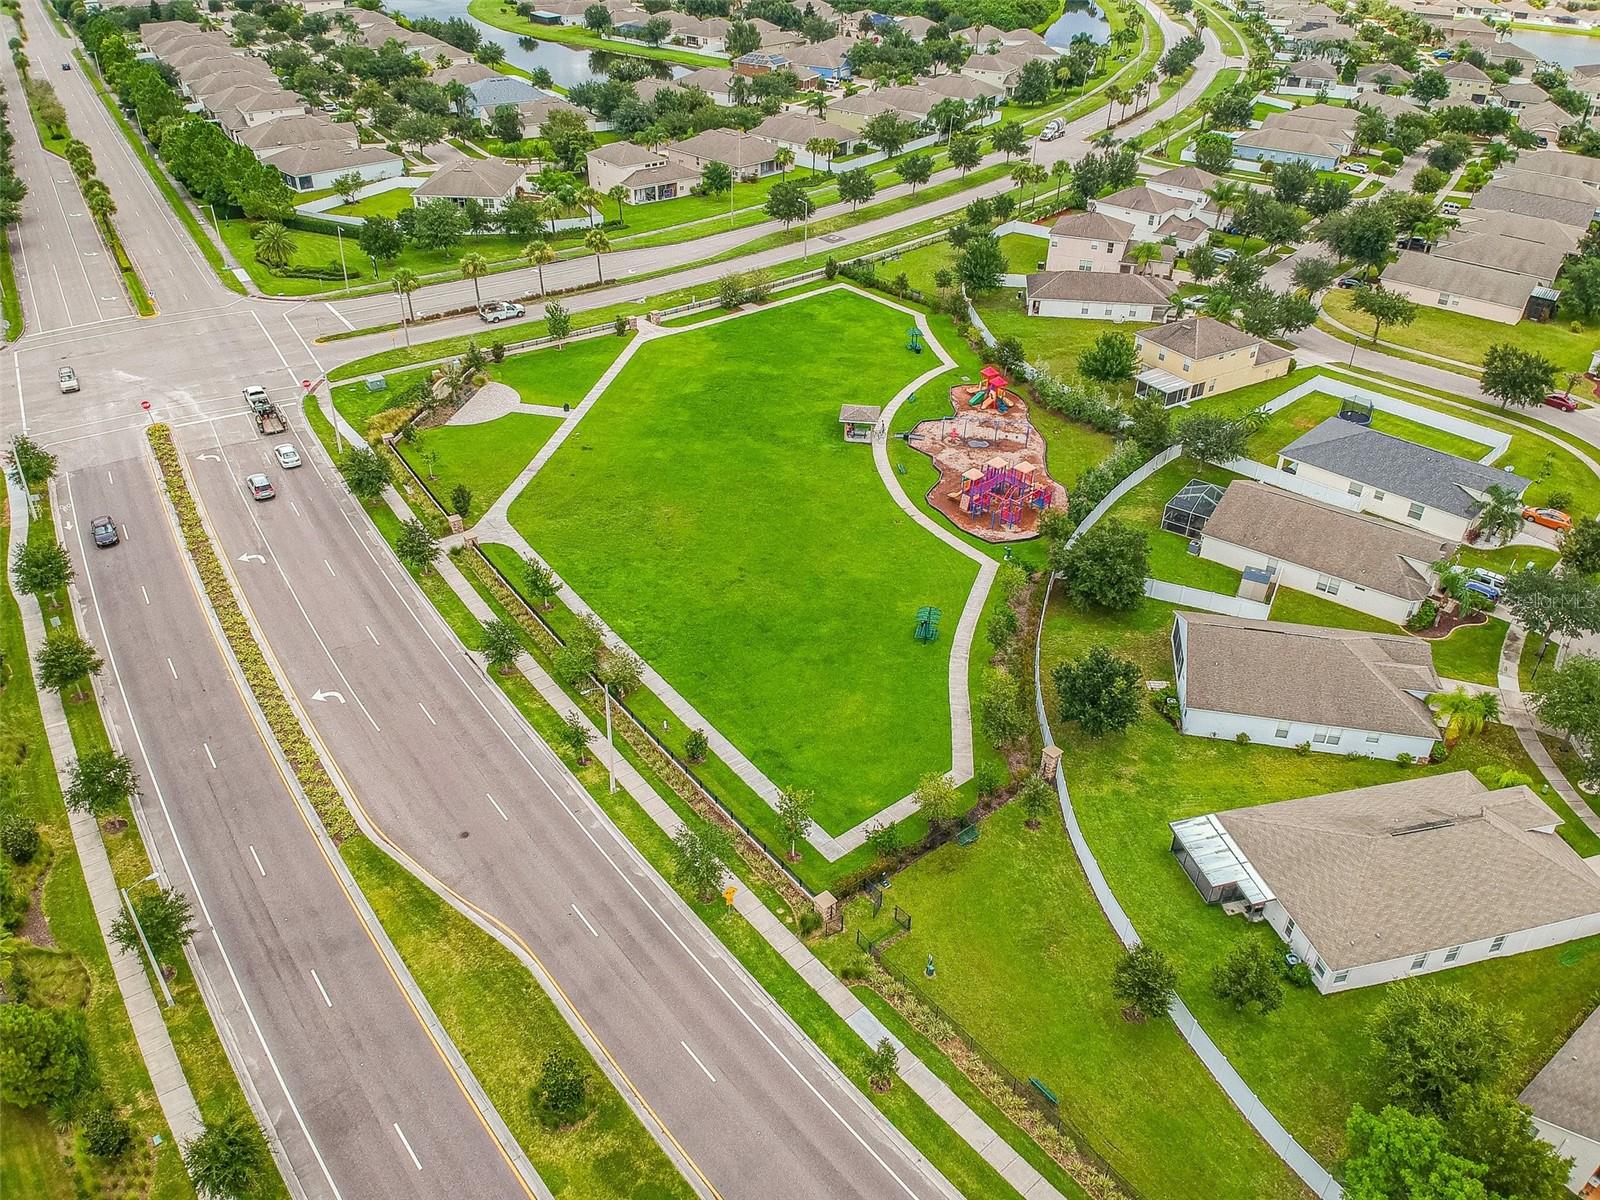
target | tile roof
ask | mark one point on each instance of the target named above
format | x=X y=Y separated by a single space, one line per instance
x=1341 y=678
x=1425 y=864
x=1199 y=337
x=1092 y=225
x=1416 y=472
x=1362 y=550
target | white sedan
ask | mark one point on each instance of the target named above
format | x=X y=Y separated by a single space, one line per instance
x=288 y=457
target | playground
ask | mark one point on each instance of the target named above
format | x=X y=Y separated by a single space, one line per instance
x=993 y=482
x=709 y=511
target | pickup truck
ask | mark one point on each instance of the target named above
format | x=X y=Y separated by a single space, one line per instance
x=500 y=310
x=268 y=419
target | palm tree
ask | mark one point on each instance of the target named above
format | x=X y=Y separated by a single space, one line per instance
x=274 y=246
x=1143 y=254
x=1115 y=94
x=590 y=198
x=817 y=148
x=783 y=159
x=1226 y=195
x=619 y=196
x=539 y=252
x=596 y=242
x=1465 y=712
x=101 y=207
x=474 y=266
x=406 y=281
x=1060 y=171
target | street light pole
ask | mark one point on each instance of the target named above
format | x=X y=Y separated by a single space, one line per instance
x=145 y=942
x=405 y=327
x=338 y=232
x=611 y=745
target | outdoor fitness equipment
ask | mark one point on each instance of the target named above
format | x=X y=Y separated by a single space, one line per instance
x=914 y=340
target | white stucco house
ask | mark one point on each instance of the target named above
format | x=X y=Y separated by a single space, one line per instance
x=1402 y=481
x=1361 y=562
x=1402 y=879
x=1099 y=296
x=312 y=166
x=1338 y=691
x=1565 y=1098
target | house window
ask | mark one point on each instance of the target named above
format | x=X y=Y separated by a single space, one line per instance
x=1177 y=654
x=1327 y=737
x=1282 y=734
x=1161 y=356
x=1108 y=310
x=1085 y=265
x=1415 y=511
x=1496 y=945
x=1341 y=976
x=1444 y=299
x=1320 y=968
x=1355 y=488
x=1377 y=494
x=1452 y=954
x=1288 y=929
x=1328 y=584
x=1187 y=366
x=1083 y=310
x=1419 y=961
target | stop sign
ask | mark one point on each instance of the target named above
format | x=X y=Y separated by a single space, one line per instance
x=145 y=404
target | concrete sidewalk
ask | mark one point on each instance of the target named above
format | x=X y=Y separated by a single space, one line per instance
x=1514 y=707
x=133 y=981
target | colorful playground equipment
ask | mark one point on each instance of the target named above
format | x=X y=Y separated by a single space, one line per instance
x=1004 y=492
x=992 y=392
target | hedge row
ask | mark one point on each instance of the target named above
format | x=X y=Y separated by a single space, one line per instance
x=281 y=719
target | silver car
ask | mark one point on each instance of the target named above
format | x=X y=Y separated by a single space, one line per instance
x=288 y=457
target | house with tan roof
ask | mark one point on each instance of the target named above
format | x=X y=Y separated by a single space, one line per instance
x=311 y=166
x=1501 y=275
x=1397 y=479
x=1201 y=356
x=1565 y=1098
x=297 y=130
x=1374 y=77
x=792 y=130
x=1186 y=182
x=1403 y=879
x=1546 y=120
x=1560 y=164
x=492 y=182
x=648 y=175
x=1388 y=104
x=1151 y=214
x=960 y=87
x=747 y=156
x=1526 y=194
x=1311 y=76
x=716 y=82
x=1099 y=296
x=1092 y=241
x=1340 y=691
x=1361 y=562
x=1468 y=85
x=827 y=61
x=1285 y=145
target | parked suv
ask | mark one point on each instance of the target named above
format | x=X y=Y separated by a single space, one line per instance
x=500 y=310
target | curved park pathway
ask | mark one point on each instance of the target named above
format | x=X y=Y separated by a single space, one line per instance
x=495 y=526
x=1517 y=715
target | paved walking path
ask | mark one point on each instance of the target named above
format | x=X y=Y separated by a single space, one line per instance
x=972 y=1129
x=1514 y=706
x=149 y=1029
x=494 y=400
x=495 y=526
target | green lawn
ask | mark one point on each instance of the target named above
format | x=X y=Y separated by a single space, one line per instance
x=710 y=511
x=1053 y=342
x=559 y=376
x=1127 y=787
x=1465 y=338
x=1170 y=559
x=1529 y=664
x=1506 y=559
x=1306 y=608
x=485 y=458
x=1471 y=652
x=1288 y=423
x=382 y=204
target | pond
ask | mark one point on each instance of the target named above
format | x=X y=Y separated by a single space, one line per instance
x=1568 y=49
x=1081 y=16
x=567 y=64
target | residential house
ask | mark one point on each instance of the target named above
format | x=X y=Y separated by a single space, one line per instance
x=463 y=73
x=1339 y=691
x=1560 y=163
x=1402 y=879
x=907 y=103
x=716 y=82
x=1092 y=241
x=792 y=130
x=1585 y=79
x=960 y=87
x=1200 y=356
x=1391 y=477
x=298 y=130
x=311 y=166
x=486 y=95
x=1186 y=183
x=1000 y=70
x=1311 y=76
x=1099 y=296
x=1282 y=146
x=1519 y=96
x=492 y=182
x=765 y=62
x=747 y=156
x=1361 y=562
x=1375 y=77
x=826 y=61
x=708 y=34
x=1529 y=194
x=1388 y=104
x=775 y=37
x=1546 y=121
x=1565 y=1098
x=1495 y=269
x=914 y=27
x=237 y=109
x=1152 y=215
x=534 y=113
x=648 y=88
x=1468 y=85
x=648 y=175
x=560 y=12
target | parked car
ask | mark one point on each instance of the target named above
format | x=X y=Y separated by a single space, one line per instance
x=1224 y=255
x=104 y=532
x=1550 y=518
x=260 y=487
x=288 y=457
x=1493 y=578
x=500 y=310
x=68 y=379
x=1357 y=168
x=1563 y=402
x=1449 y=208
x=1487 y=590
x=1349 y=281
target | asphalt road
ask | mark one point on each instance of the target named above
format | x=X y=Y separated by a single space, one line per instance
x=349 y=1079
x=443 y=766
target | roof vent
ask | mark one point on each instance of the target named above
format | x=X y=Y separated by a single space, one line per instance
x=1422 y=827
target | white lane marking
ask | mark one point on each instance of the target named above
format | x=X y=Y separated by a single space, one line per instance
x=257 y=857
x=110 y=480
x=209 y=757
x=172 y=668
x=577 y=790
x=144 y=593
x=317 y=979
x=339 y=316
x=321 y=696
x=497 y=807
x=697 y=1061
x=585 y=921
x=194 y=885
x=426 y=713
x=372 y=635
x=331 y=571
x=295 y=507
x=417 y=1162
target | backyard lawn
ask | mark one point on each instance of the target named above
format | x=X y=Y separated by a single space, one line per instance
x=1170 y=559
x=381 y=204
x=710 y=511
x=1464 y=338
x=1051 y=342
x=1289 y=422
x=1471 y=652
x=485 y=458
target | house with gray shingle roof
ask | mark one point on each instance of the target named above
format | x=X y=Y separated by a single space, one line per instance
x=1565 y=1098
x=1402 y=879
x=492 y=182
x=1361 y=562
x=1391 y=477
